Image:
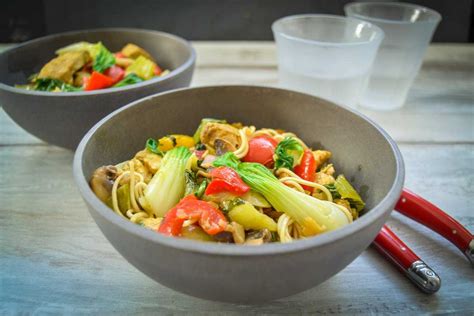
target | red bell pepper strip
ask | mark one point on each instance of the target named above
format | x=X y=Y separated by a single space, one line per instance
x=225 y=179
x=261 y=150
x=114 y=72
x=98 y=81
x=306 y=170
x=210 y=218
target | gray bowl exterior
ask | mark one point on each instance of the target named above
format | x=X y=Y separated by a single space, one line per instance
x=62 y=119
x=232 y=273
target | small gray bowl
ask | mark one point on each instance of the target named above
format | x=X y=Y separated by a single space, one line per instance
x=63 y=118
x=233 y=273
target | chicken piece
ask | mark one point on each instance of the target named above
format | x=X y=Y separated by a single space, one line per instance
x=324 y=179
x=321 y=156
x=65 y=66
x=328 y=169
x=150 y=160
x=133 y=51
x=79 y=78
x=225 y=133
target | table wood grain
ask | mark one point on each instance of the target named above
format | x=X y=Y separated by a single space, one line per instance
x=54 y=259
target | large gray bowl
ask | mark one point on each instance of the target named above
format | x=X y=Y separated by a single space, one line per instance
x=62 y=119
x=245 y=274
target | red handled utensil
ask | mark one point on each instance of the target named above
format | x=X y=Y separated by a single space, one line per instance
x=429 y=215
x=398 y=253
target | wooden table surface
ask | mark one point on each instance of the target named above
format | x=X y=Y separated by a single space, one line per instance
x=54 y=259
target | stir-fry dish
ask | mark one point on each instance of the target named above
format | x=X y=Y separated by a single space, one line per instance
x=230 y=183
x=87 y=66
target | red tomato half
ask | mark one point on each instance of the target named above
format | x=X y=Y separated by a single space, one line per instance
x=261 y=150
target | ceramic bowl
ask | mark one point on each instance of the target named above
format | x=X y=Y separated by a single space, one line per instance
x=63 y=118
x=235 y=273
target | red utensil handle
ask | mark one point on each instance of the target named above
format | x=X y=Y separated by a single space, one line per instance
x=395 y=249
x=426 y=213
x=398 y=253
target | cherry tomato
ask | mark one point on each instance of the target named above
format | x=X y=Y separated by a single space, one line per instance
x=261 y=150
x=115 y=73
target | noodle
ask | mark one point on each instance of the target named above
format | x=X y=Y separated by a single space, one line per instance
x=295 y=178
x=244 y=146
x=294 y=218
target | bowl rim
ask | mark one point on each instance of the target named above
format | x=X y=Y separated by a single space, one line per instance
x=435 y=18
x=219 y=249
x=171 y=76
x=377 y=37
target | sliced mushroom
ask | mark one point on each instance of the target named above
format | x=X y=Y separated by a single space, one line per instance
x=102 y=181
x=225 y=237
x=227 y=134
x=222 y=146
x=259 y=237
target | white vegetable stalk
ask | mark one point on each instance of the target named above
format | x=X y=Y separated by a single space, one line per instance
x=167 y=186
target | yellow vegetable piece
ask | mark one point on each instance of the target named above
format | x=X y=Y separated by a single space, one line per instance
x=123 y=198
x=142 y=67
x=246 y=215
x=256 y=199
x=171 y=141
x=196 y=233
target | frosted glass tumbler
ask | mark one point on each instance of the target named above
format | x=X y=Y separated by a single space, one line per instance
x=408 y=30
x=327 y=56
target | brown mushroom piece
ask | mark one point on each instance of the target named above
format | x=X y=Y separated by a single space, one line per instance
x=258 y=237
x=224 y=237
x=102 y=181
x=222 y=146
x=227 y=136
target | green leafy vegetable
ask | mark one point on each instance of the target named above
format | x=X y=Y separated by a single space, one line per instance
x=289 y=153
x=168 y=185
x=347 y=192
x=103 y=60
x=128 y=80
x=200 y=190
x=227 y=160
x=191 y=183
x=204 y=121
x=332 y=188
x=47 y=84
x=152 y=145
x=314 y=216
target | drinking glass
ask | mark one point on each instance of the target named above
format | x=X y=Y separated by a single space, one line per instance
x=408 y=30
x=325 y=55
